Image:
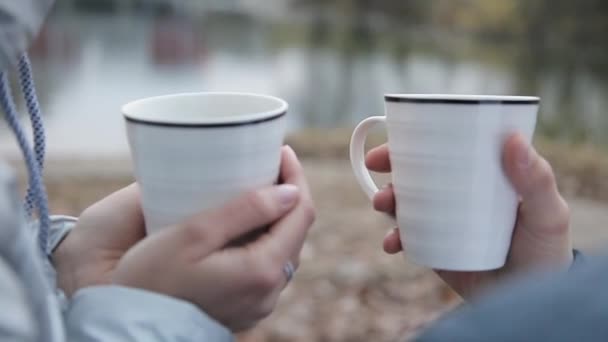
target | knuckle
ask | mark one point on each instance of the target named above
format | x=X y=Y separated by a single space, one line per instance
x=562 y=218
x=546 y=177
x=268 y=277
x=265 y=309
x=258 y=204
x=310 y=213
x=197 y=232
x=559 y=221
x=194 y=231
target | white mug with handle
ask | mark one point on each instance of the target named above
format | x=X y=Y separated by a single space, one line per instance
x=456 y=209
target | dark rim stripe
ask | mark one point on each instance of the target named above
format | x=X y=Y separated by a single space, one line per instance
x=204 y=125
x=459 y=101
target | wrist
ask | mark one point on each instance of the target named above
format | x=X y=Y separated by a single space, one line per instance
x=63 y=261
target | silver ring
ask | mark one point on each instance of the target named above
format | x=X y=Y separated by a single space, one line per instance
x=289 y=270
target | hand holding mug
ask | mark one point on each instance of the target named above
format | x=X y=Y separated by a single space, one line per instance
x=205 y=166
x=454 y=202
x=541 y=238
x=238 y=286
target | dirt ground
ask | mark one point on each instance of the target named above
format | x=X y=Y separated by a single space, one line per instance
x=346 y=289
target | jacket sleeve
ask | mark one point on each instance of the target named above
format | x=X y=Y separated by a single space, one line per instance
x=16 y=318
x=20 y=21
x=114 y=313
x=569 y=306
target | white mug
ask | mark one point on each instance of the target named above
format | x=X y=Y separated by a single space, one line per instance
x=456 y=209
x=195 y=151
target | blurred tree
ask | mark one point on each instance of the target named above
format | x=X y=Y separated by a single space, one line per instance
x=406 y=11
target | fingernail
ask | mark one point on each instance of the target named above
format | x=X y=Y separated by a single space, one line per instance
x=288 y=194
x=524 y=156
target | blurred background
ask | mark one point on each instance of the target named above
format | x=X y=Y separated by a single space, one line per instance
x=332 y=61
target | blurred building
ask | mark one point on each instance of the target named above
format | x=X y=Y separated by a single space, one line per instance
x=266 y=8
x=273 y=8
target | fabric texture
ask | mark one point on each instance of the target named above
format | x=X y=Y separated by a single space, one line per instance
x=20 y=22
x=563 y=307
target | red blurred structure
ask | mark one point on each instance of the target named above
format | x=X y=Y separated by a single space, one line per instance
x=176 y=42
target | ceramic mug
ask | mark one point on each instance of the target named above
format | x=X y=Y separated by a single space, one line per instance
x=456 y=209
x=195 y=151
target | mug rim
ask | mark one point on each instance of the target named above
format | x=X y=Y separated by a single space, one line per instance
x=128 y=111
x=461 y=99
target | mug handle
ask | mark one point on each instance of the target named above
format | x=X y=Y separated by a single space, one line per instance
x=357 y=154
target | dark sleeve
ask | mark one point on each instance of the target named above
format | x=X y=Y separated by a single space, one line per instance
x=570 y=306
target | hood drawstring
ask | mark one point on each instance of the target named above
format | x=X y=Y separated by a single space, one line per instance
x=34 y=159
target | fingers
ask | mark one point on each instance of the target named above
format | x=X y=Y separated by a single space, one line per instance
x=216 y=228
x=268 y=255
x=261 y=265
x=378 y=160
x=529 y=173
x=286 y=236
x=542 y=206
x=392 y=242
x=384 y=200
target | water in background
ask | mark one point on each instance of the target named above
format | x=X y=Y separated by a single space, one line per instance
x=332 y=70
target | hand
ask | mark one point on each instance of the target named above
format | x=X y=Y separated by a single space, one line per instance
x=541 y=238
x=195 y=260
x=104 y=233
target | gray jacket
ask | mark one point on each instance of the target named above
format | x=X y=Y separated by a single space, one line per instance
x=566 y=307
x=20 y=21
x=31 y=308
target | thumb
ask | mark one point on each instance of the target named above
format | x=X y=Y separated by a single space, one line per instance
x=542 y=206
x=218 y=227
